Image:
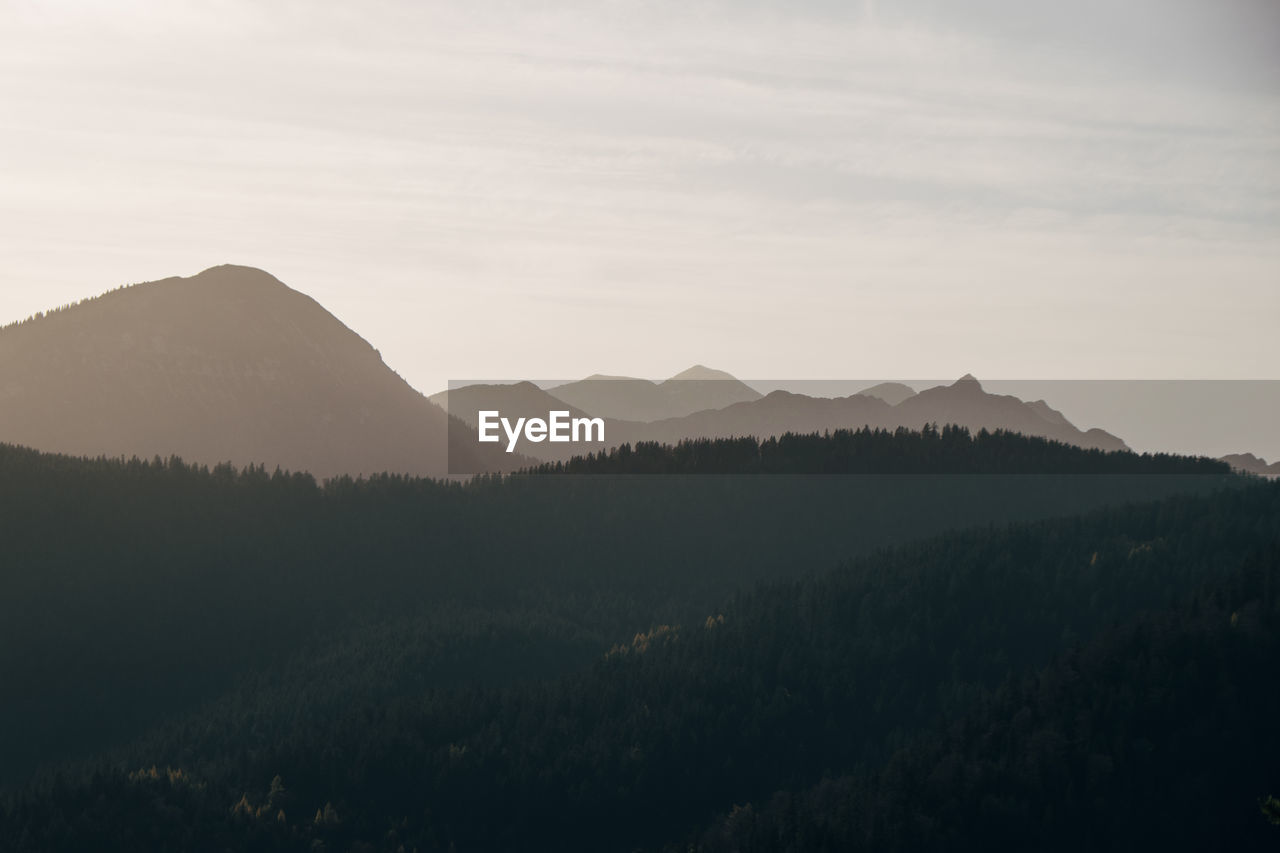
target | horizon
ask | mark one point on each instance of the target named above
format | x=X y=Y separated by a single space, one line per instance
x=1213 y=417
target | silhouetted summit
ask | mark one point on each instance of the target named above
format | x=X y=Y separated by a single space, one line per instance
x=623 y=398
x=892 y=393
x=227 y=365
x=702 y=373
x=720 y=406
x=966 y=403
x=1251 y=464
x=962 y=403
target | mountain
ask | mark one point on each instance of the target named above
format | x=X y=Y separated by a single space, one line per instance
x=228 y=365
x=963 y=403
x=892 y=393
x=623 y=398
x=1251 y=464
x=774 y=414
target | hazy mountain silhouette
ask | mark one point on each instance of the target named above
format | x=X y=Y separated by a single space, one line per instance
x=232 y=365
x=963 y=403
x=774 y=414
x=624 y=398
x=227 y=365
x=1251 y=464
x=892 y=393
x=966 y=403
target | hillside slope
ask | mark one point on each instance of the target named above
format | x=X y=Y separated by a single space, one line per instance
x=622 y=398
x=964 y=403
x=809 y=678
x=227 y=365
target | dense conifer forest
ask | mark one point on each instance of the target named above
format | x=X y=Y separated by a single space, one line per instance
x=1158 y=735
x=949 y=450
x=971 y=656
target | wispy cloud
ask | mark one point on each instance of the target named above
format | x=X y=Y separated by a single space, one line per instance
x=564 y=188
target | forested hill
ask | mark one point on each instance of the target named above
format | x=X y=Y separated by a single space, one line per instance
x=1159 y=735
x=949 y=450
x=989 y=689
x=133 y=590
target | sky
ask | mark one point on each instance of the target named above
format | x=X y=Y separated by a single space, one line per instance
x=779 y=189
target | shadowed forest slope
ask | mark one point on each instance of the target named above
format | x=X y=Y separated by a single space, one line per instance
x=918 y=663
x=132 y=590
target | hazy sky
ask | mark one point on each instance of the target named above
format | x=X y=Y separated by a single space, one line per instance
x=779 y=189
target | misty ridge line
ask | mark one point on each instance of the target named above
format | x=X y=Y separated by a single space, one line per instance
x=233 y=365
x=704 y=403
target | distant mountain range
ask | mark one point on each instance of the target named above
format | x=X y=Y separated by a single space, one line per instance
x=886 y=406
x=892 y=393
x=227 y=365
x=232 y=365
x=1251 y=464
x=625 y=399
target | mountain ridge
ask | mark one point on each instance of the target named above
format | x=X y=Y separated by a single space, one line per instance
x=1251 y=464
x=627 y=398
x=230 y=364
x=962 y=403
x=233 y=365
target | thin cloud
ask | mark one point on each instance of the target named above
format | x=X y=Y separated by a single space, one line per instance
x=974 y=185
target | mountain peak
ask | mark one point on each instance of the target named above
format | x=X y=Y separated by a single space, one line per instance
x=235 y=269
x=968 y=381
x=697 y=389
x=1252 y=464
x=230 y=364
x=702 y=373
x=892 y=393
x=235 y=276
